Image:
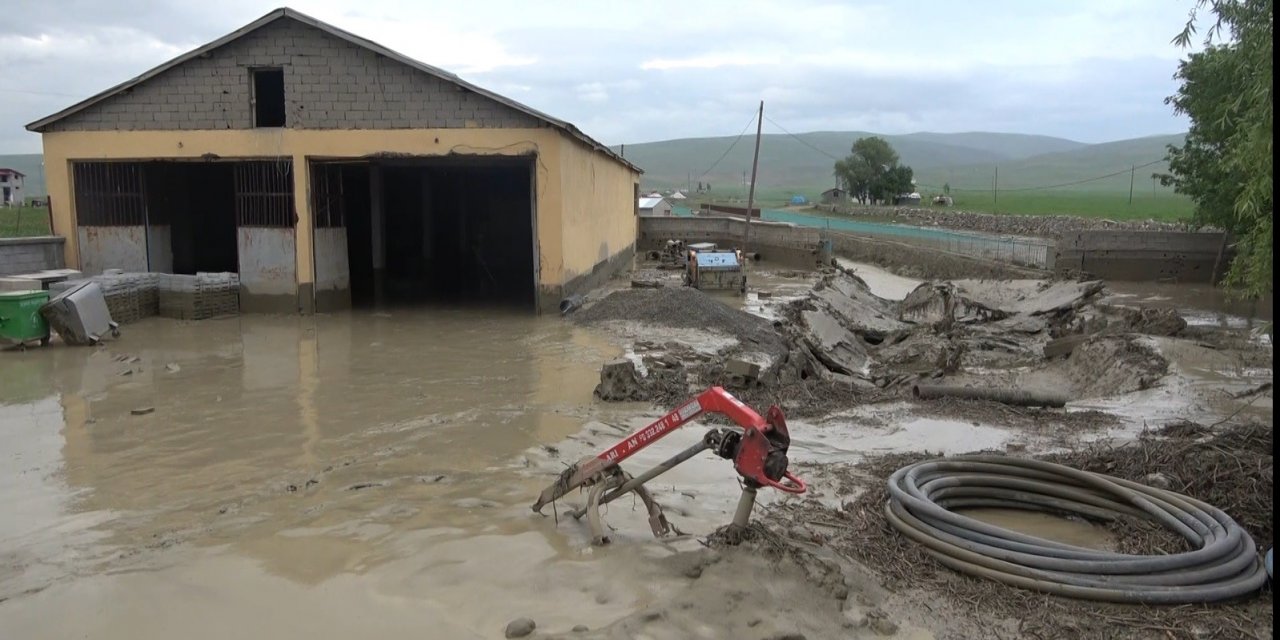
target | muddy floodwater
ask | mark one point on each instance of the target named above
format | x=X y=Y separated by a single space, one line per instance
x=337 y=476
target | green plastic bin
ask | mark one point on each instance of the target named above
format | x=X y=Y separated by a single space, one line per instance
x=20 y=318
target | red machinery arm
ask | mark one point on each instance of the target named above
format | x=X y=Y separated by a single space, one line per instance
x=757 y=432
x=759 y=455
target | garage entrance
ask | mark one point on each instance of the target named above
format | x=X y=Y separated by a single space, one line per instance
x=187 y=216
x=439 y=230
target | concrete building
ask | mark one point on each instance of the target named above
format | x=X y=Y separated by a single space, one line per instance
x=650 y=206
x=10 y=187
x=835 y=196
x=329 y=170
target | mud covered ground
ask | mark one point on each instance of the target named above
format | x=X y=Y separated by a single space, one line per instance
x=369 y=474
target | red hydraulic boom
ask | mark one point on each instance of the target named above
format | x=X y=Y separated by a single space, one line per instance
x=758 y=451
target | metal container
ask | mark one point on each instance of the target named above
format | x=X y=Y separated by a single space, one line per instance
x=80 y=315
x=20 y=319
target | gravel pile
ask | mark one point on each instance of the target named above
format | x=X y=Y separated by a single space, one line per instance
x=685 y=308
x=1018 y=225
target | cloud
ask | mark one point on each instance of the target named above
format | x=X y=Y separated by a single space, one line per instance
x=1091 y=70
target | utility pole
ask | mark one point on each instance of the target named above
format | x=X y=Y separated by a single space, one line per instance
x=755 y=164
x=995 y=186
x=1133 y=169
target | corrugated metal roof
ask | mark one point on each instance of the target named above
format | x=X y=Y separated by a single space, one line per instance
x=286 y=12
x=649 y=203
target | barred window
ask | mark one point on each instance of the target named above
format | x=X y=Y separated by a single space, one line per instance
x=109 y=194
x=264 y=193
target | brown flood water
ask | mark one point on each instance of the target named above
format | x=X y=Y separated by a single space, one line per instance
x=340 y=476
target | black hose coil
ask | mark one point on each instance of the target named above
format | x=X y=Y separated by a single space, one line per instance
x=1223 y=564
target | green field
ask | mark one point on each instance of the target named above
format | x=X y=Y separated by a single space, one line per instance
x=1090 y=204
x=19 y=222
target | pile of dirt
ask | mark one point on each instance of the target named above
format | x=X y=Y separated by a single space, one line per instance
x=1230 y=469
x=1111 y=365
x=685 y=307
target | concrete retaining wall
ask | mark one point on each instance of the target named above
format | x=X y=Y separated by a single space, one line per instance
x=917 y=261
x=776 y=242
x=1145 y=255
x=26 y=255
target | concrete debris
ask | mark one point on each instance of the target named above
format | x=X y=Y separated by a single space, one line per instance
x=619 y=381
x=840 y=338
x=942 y=305
x=742 y=373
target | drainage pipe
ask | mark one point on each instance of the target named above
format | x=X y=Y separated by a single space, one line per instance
x=1019 y=397
x=571 y=304
x=1223 y=562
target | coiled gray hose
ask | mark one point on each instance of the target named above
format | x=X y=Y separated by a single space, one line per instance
x=1223 y=564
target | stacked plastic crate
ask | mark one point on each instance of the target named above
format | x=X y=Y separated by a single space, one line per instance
x=198 y=297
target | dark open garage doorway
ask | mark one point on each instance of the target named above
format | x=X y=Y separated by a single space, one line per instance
x=456 y=230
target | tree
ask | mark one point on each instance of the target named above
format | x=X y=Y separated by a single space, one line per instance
x=1224 y=164
x=871 y=171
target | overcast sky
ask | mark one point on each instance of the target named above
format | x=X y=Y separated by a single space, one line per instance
x=1089 y=70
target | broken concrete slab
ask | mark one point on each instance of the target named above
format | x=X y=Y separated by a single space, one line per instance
x=741 y=373
x=850 y=299
x=831 y=343
x=943 y=304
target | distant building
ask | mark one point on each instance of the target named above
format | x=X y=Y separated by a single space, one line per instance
x=835 y=196
x=10 y=187
x=799 y=200
x=655 y=207
x=678 y=196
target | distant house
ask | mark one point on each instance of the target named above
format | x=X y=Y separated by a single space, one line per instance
x=655 y=194
x=835 y=196
x=655 y=207
x=10 y=187
x=678 y=196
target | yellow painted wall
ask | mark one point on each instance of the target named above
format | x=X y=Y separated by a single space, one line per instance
x=61 y=148
x=599 y=216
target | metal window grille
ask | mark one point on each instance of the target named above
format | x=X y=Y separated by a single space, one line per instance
x=264 y=193
x=109 y=194
x=327 y=191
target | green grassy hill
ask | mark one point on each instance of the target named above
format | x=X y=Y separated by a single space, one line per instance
x=1010 y=145
x=968 y=162
x=28 y=163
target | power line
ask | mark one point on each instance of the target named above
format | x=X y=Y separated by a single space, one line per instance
x=1071 y=184
x=731 y=146
x=800 y=140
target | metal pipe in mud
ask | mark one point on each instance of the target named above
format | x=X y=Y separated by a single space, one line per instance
x=1018 y=397
x=655 y=472
x=1223 y=562
x=747 y=502
x=571 y=304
